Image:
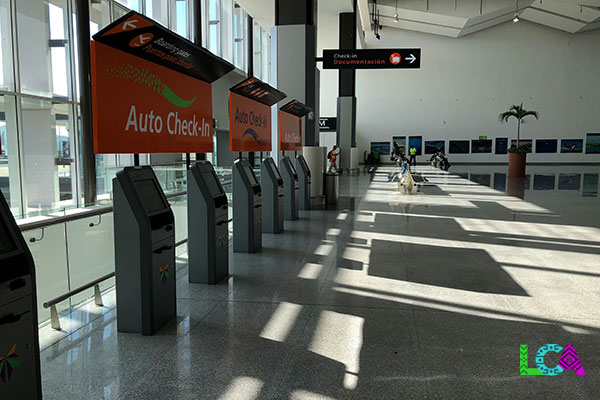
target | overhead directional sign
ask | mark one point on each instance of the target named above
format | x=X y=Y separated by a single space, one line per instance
x=372 y=59
x=142 y=37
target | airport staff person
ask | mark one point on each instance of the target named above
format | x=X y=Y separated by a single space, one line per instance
x=413 y=155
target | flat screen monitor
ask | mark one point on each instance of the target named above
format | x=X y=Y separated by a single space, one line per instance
x=214 y=186
x=292 y=167
x=250 y=175
x=275 y=169
x=304 y=164
x=7 y=243
x=150 y=195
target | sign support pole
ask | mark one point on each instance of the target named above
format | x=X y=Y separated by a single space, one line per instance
x=88 y=164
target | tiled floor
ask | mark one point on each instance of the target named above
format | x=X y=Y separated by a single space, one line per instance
x=392 y=296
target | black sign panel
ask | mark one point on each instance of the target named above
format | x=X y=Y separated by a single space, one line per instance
x=258 y=90
x=372 y=59
x=142 y=37
x=296 y=108
x=328 y=124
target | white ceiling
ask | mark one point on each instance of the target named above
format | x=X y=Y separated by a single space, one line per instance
x=453 y=18
x=263 y=11
x=456 y=18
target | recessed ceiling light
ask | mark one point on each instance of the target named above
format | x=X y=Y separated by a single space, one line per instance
x=516 y=18
x=396 y=18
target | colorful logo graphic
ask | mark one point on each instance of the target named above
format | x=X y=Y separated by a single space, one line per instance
x=568 y=360
x=222 y=240
x=143 y=77
x=395 y=58
x=141 y=40
x=8 y=363
x=164 y=274
x=253 y=134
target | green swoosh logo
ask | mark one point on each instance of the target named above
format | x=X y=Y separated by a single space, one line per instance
x=143 y=77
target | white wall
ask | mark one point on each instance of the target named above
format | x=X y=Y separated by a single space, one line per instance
x=465 y=83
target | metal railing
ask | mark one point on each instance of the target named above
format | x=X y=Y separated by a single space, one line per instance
x=63 y=219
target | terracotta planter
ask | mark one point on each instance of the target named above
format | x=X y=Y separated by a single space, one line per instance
x=516 y=165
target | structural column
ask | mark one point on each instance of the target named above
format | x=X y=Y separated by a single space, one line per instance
x=88 y=158
x=293 y=61
x=346 y=104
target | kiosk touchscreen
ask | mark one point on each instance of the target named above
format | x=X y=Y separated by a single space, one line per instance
x=19 y=343
x=247 y=209
x=271 y=184
x=304 y=179
x=208 y=225
x=290 y=184
x=145 y=266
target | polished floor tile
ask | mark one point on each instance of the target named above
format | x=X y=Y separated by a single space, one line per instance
x=386 y=296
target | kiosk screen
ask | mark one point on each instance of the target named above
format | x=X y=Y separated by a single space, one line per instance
x=6 y=242
x=150 y=195
x=276 y=171
x=251 y=176
x=213 y=185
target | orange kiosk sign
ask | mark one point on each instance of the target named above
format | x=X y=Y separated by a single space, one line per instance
x=250 y=115
x=290 y=125
x=151 y=90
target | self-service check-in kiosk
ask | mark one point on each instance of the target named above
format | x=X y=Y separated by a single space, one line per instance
x=247 y=209
x=271 y=184
x=290 y=184
x=304 y=183
x=144 y=228
x=19 y=343
x=208 y=225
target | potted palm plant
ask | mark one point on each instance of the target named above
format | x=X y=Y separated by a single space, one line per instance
x=517 y=155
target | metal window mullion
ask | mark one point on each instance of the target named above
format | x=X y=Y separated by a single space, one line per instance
x=18 y=106
x=75 y=126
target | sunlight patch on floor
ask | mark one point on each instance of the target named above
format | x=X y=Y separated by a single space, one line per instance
x=282 y=321
x=310 y=271
x=339 y=337
x=243 y=388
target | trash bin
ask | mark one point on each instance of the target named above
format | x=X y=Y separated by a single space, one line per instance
x=332 y=182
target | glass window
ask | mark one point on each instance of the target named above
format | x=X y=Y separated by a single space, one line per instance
x=258 y=48
x=99 y=16
x=214 y=26
x=6 y=53
x=266 y=55
x=47 y=146
x=118 y=11
x=180 y=20
x=158 y=10
x=239 y=33
x=227 y=30
x=43 y=47
x=131 y=4
x=9 y=154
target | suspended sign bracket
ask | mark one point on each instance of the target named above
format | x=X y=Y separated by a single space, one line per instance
x=250 y=104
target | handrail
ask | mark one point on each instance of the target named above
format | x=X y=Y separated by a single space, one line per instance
x=80 y=289
x=92 y=212
x=54 y=320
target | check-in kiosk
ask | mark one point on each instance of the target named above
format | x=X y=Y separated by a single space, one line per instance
x=208 y=226
x=144 y=228
x=291 y=187
x=304 y=183
x=271 y=184
x=247 y=209
x=19 y=343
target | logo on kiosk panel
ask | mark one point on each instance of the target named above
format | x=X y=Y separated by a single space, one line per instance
x=8 y=364
x=142 y=107
x=395 y=58
x=250 y=124
x=569 y=359
x=164 y=274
